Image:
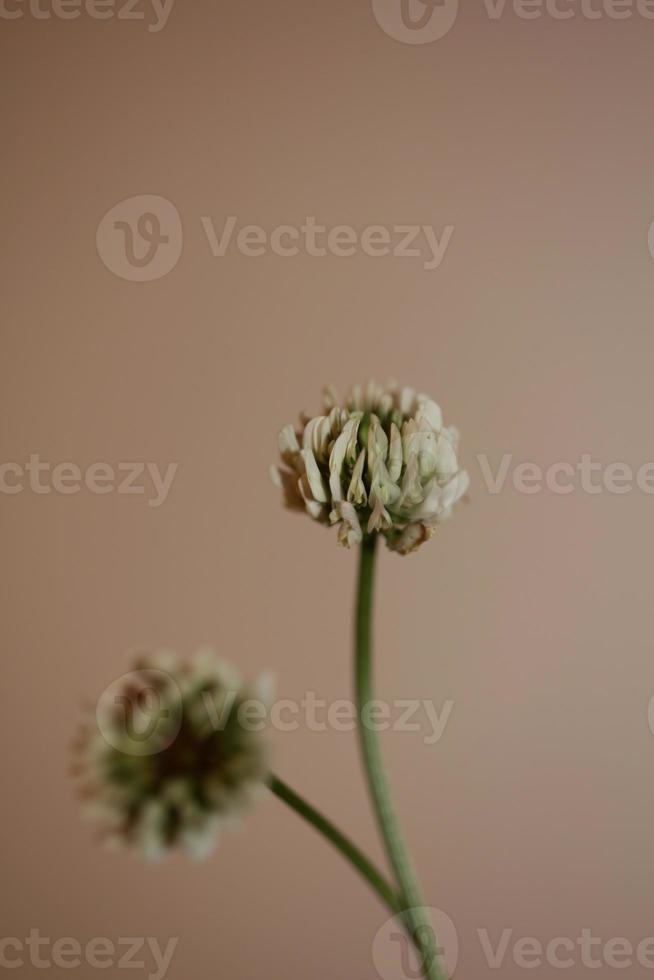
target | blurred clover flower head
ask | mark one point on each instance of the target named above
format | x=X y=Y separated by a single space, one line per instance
x=166 y=763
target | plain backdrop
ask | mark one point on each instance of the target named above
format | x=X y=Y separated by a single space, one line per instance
x=531 y=612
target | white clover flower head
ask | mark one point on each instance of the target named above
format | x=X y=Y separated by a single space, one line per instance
x=168 y=761
x=381 y=462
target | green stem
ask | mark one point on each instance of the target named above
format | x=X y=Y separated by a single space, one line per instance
x=342 y=843
x=414 y=916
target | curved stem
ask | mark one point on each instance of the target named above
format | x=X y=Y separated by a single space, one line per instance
x=412 y=902
x=342 y=843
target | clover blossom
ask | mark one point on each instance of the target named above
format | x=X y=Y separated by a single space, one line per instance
x=168 y=761
x=381 y=461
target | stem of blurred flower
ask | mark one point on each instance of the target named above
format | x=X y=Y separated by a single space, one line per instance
x=342 y=843
x=415 y=919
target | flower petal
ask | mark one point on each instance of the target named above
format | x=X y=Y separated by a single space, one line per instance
x=430 y=412
x=314 y=477
x=289 y=447
x=395 y=454
x=356 y=492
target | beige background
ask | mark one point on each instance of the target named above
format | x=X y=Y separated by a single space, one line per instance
x=532 y=613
